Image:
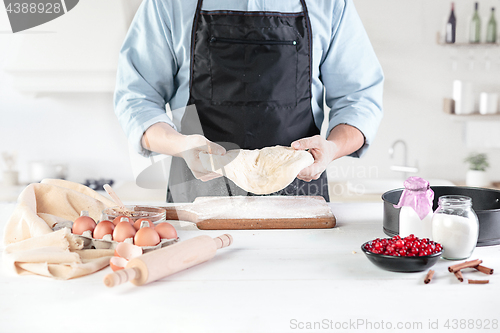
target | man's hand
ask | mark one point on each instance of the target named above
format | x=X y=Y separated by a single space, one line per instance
x=193 y=145
x=322 y=150
x=163 y=139
x=343 y=140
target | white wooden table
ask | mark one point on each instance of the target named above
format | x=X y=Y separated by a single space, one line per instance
x=267 y=281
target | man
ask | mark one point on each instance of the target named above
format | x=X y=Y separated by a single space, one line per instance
x=247 y=74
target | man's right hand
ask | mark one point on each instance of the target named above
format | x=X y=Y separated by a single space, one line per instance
x=163 y=139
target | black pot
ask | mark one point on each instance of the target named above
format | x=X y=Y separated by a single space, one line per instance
x=485 y=202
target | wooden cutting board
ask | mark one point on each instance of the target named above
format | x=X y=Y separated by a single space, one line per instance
x=255 y=212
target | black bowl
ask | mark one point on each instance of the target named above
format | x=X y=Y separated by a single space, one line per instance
x=485 y=202
x=401 y=264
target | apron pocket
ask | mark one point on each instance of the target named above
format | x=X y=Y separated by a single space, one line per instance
x=252 y=72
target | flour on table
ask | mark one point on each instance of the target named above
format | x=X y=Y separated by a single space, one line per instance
x=256 y=207
x=259 y=171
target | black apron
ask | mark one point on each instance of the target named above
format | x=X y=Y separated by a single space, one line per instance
x=250 y=88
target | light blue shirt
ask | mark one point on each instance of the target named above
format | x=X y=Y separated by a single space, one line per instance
x=154 y=64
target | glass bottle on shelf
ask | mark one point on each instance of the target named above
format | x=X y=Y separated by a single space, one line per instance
x=475 y=26
x=451 y=26
x=491 y=29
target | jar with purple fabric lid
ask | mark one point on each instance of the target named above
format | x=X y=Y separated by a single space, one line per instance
x=415 y=216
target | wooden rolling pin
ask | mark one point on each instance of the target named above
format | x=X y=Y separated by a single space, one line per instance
x=158 y=264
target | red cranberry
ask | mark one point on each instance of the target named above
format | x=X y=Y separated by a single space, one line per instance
x=410 y=246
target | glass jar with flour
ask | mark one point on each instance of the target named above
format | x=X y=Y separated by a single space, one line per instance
x=415 y=216
x=455 y=226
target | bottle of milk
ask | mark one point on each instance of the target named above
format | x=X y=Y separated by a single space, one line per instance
x=455 y=226
x=415 y=216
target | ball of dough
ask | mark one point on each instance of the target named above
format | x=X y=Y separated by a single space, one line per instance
x=259 y=171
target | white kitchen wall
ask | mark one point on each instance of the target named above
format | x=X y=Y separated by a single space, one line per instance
x=76 y=129
x=81 y=129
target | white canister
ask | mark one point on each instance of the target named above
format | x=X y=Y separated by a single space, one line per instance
x=463 y=97
x=43 y=170
x=455 y=226
x=10 y=178
x=488 y=103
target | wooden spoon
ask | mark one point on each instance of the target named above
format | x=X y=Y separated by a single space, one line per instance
x=115 y=197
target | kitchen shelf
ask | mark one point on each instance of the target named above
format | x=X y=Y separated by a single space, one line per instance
x=448 y=107
x=475 y=117
x=464 y=45
x=470 y=45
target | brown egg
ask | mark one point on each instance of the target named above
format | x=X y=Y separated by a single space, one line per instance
x=146 y=237
x=123 y=230
x=118 y=219
x=82 y=224
x=103 y=228
x=137 y=224
x=166 y=230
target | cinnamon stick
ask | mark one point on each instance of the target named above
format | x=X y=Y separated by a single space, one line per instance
x=459 y=276
x=479 y=281
x=483 y=269
x=429 y=276
x=466 y=264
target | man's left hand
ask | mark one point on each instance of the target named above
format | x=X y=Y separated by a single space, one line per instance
x=322 y=150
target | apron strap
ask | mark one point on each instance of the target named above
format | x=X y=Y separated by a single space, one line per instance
x=309 y=33
x=193 y=39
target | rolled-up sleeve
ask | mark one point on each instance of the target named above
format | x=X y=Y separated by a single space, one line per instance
x=145 y=77
x=352 y=76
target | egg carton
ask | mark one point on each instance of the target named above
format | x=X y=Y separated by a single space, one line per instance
x=107 y=243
